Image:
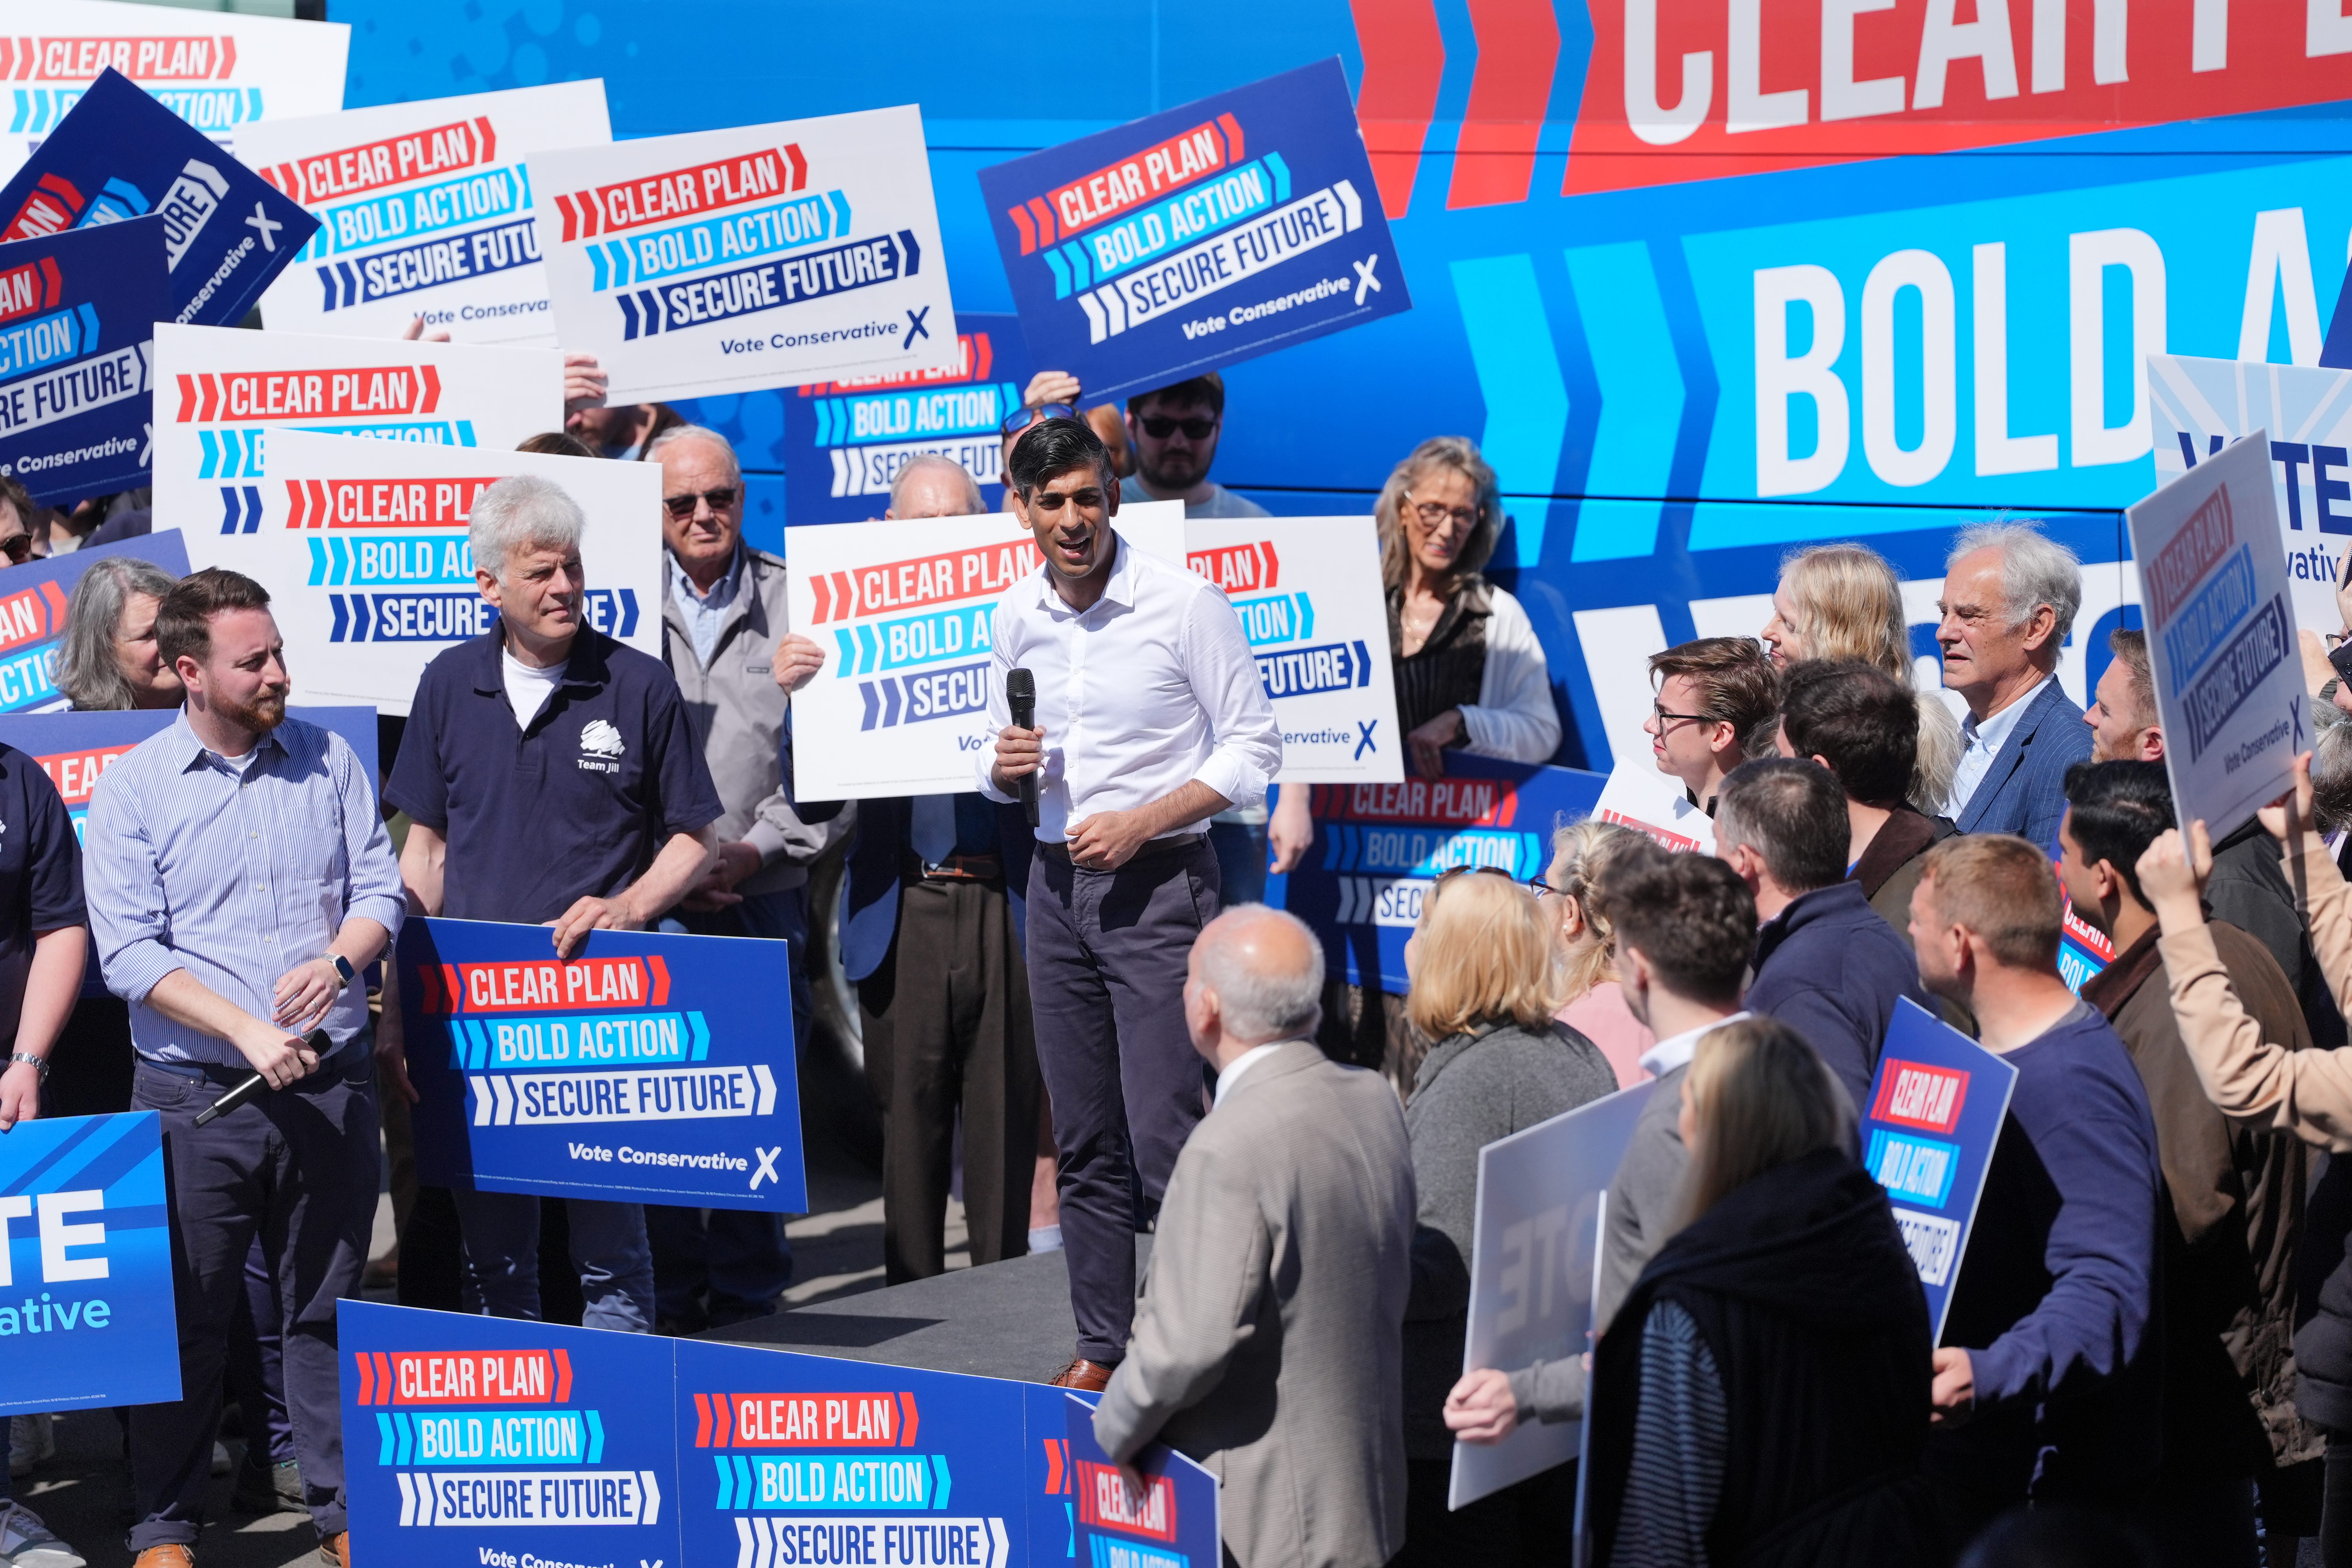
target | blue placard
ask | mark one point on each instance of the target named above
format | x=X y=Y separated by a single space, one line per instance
x=34 y=598
x=1377 y=847
x=647 y=1068
x=1218 y=231
x=78 y=314
x=86 y=1313
x=1172 y=1524
x=1928 y=1134
x=119 y=154
x=844 y=441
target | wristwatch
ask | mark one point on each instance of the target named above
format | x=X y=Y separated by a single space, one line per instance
x=40 y=1064
x=343 y=970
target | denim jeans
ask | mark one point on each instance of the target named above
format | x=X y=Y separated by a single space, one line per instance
x=608 y=1247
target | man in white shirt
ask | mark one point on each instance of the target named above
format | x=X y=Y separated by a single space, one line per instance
x=1151 y=718
x=2009 y=600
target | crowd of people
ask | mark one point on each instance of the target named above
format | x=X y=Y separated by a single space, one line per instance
x=1100 y=1028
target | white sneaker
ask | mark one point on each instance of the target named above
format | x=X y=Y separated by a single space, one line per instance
x=25 y=1542
x=31 y=1439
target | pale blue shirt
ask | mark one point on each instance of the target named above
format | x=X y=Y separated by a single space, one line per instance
x=706 y=613
x=235 y=875
x=1983 y=742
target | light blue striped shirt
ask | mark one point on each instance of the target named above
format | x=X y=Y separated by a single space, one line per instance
x=706 y=614
x=234 y=877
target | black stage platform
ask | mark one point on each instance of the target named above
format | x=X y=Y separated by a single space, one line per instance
x=1008 y=1319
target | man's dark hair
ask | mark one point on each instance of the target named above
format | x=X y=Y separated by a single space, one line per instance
x=1051 y=447
x=1690 y=915
x=2119 y=809
x=1736 y=683
x=1209 y=389
x=184 y=620
x=1790 y=812
x=1857 y=718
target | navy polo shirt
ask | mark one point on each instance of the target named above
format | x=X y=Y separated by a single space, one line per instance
x=576 y=807
x=40 y=874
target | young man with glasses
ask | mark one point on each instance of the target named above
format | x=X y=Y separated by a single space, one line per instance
x=723 y=637
x=1714 y=697
x=1150 y=719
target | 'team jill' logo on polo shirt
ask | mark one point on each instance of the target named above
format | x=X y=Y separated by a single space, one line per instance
x=598 y=739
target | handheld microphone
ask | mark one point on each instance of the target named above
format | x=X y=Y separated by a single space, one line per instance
x=1021 y=697
x=251 y=1085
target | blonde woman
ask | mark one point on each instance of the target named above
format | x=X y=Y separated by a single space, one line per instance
x=1762 y=1394
x=1843 y=602
x=1488 y=973
x=1595 y=1007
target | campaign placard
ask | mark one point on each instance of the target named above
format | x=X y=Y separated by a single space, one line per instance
x=362 y=546
x=2221 y=635
x=78 y=316
x=424 y=211
x=1935 y=1110
x=34 y=600
x=759 y=256
x=218 y=70
x=1378 y=847
x=845 y=440
x=1226 y=229
x=120 y=155
x=86 y=1317
x=471 y=1441
x=1534 y=1258
x=647 y=1068
x=1308 y=591
x=1657 y=806
x=904 y=611
x=1172 y=1524
x=2197 y=406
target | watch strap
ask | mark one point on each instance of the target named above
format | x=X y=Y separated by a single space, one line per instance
x=40 y=1064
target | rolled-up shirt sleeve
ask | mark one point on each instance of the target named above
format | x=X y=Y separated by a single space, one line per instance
x=374 y=891
x=1247 y=748
x=123 y=884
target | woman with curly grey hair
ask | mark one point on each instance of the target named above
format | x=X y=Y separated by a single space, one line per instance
x=110 y=660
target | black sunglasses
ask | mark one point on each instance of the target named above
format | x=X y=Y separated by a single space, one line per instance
x=1535 y=885
x=682 y=507
x=1160 y=428
x=1020 y=419
x=18 y=548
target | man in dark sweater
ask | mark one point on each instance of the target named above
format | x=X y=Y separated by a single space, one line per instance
x=1863 y=724
x=2050 y=1384
x=1826 y=965
x=2236 y=1217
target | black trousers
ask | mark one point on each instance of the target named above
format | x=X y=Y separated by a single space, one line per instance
x=946 y=1028
x=1531 y=1523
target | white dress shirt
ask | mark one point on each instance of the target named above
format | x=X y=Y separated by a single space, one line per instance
x=1231 y=1073
x=1151 y=687
x=1677 y=1050
x=1982 y=742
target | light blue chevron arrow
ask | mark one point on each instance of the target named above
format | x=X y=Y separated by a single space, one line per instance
x=1642 y=397
x=384 y=1428
x=840 y=214
x=939 y=1464
x=701 y=1028
x=726 y=1482
x=1520 y=379
x=317 y=562
x=596 y=1436
x=407 y=1436
x=1061 y=273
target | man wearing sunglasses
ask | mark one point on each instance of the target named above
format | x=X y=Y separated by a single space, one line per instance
x=1175 y=431
x=723 y=637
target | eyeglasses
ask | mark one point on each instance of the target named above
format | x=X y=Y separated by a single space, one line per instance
x=18 y=548
x=682 y=507
x=1160 y=428
x=1431 y=513
x=1535 y=885
x=1658 y=711
x=1020 y=419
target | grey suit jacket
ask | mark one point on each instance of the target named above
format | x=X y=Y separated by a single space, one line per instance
x=1268 y=1343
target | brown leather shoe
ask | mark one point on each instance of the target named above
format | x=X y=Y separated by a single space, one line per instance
x=166 y=1557
x=336 y=1549
x=1086 y=1376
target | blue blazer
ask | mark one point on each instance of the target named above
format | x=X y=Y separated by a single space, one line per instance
x=2024 y=791
x=869 y=888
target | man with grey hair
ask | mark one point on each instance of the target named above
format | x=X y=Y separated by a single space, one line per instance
x=724 y=640
x=1286 y=1381
x=930 y=937
x=550 y=778
x=2009 y=600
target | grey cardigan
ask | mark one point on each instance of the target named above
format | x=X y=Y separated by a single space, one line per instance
x=1471 y=1090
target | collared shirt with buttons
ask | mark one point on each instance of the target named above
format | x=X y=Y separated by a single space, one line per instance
x=1148 y=688
x=1982 y=742
x=706 y=614
x=235 y=875
x=575 y=806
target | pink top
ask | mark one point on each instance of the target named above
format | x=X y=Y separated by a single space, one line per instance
x=1602 y=1016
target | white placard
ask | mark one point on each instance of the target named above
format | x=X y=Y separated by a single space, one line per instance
x=363 y=548
x=218 y=70
x=1534 y=1270
x=760 y=256
x=1307 y=590
x=1639 y=797
x=426 y=211
x=2196 y=406
x=903 y=611
x=2221 y=635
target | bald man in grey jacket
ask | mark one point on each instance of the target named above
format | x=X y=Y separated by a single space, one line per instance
x=1268 y=1343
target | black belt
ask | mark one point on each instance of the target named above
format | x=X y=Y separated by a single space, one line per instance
x=229 y=1075
x=1152 y=849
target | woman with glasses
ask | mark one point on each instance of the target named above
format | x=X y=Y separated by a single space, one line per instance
x=1488 y=973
